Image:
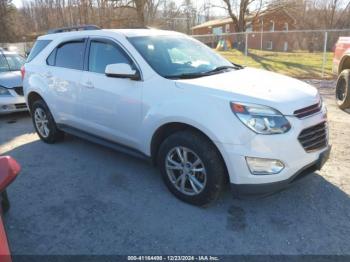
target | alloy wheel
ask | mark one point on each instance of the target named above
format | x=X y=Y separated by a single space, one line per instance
x=186 y=171
x=41 y=122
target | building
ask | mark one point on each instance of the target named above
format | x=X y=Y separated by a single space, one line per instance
x=260 y=29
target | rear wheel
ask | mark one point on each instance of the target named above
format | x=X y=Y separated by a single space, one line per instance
x=191 y=167
x=44 y=123
x=343 y=89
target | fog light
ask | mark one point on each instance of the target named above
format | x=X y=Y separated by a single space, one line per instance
x=264 y=166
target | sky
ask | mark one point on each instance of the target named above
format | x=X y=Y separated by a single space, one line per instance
x=198 y=3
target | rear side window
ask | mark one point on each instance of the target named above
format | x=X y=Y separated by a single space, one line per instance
x=37 y=48
x=71 y=55
x=103 y=54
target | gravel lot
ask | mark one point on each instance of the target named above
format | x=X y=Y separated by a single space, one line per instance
x=76 y=197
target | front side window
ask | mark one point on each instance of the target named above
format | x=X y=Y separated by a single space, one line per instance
x=70 y=55
x=103 y=54
x=173 y=56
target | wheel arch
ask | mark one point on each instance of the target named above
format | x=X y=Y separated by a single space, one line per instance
x=32 y=97
x=344 y=63
x=170 y=128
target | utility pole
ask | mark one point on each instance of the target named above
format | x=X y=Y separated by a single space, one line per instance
x=262 y=32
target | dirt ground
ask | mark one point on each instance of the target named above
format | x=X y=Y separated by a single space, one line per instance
x=337 y=168
x=76 y=197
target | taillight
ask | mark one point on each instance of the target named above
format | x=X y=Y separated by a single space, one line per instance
x=23 y=71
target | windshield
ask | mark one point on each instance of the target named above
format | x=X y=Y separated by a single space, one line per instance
x=11 y=62
x=176 y=56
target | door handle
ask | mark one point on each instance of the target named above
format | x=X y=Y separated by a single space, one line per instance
x=88 y=84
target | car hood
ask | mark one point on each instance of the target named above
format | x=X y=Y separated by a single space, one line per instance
x=10 y=79
x=251 y=85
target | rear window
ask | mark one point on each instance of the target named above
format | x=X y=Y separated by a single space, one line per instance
x=37 y=48
x=4 y=66
x=15 y=62
x=71 y=55
x=11 y=62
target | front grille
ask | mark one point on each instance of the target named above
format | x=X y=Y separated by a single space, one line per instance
x=308 y=111
x=21 y=106
x=19 y=90
x=314 y=137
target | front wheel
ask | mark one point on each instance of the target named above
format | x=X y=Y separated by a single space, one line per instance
x=191 y=167
x=343 y=89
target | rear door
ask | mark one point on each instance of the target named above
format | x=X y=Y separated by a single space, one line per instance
x=65 y=67
x=112 y=106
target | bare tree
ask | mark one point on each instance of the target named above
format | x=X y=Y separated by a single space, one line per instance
x=6 y=9
x=240 y=10
x=190 y=14
x=138 y=5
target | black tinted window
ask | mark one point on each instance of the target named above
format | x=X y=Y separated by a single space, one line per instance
x=103 y=54
x=37 y=48
x=51 y=59
x=70 y=55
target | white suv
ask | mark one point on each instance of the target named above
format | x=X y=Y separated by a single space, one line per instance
x=165 y=96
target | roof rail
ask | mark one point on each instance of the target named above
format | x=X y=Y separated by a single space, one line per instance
x=137 y=27
x=74 y=28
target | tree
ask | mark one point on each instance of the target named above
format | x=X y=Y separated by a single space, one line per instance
x=7 y=22
x=145 y=9
x=190 y=14
x=248 y=7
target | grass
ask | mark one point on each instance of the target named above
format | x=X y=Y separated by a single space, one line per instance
x=296 y=64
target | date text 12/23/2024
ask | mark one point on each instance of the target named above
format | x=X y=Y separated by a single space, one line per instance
x=173 y=258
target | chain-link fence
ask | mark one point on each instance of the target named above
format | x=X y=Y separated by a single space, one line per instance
x=301 y=54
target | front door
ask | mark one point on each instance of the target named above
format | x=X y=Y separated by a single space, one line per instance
x=112 y=106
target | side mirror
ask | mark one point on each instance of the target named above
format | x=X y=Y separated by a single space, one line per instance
x=121 y=71
x=9 y=169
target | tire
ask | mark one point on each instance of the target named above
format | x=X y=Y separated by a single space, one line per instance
x=342 y=92
x=40 y=111
x=211 y=177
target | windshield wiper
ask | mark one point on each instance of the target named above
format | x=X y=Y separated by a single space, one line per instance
x=207 y=73
x=222 y=68
x=187 y=76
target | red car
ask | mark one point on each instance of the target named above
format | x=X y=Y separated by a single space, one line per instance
x=341 y=66
x=9 y=169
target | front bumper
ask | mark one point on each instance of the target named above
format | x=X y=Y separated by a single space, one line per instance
x=285 y=147
x=270 y=188
x=11 y=104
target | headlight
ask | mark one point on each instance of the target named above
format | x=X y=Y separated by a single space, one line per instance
x=261 y=119
x=4 y=91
